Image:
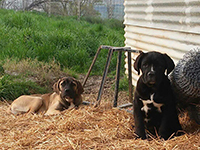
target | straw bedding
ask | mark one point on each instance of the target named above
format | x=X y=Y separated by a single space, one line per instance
x=86 y=128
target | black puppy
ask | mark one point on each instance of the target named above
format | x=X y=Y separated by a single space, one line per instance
x=154 y=102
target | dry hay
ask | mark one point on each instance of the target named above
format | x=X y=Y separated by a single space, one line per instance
x=85 y=128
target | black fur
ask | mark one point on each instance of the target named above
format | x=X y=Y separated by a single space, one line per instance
x=154 y=102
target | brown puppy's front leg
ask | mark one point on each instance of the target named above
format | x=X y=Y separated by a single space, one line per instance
x=54 y=109
x=53 y=112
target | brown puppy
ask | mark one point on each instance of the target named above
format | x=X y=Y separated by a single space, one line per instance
x=67 y=91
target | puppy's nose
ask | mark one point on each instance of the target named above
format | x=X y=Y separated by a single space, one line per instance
x=151 y=73
x=66 y=90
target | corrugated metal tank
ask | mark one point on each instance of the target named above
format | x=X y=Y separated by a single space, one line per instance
x=167 y=26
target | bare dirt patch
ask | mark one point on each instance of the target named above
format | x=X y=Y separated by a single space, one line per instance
x=92 y=86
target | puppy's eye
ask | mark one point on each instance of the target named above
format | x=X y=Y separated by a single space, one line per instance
x=73 y=84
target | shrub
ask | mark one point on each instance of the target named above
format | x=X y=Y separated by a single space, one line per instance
x=12 y=87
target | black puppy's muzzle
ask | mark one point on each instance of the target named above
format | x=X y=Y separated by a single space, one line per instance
x=151 y=73
x=151 y=77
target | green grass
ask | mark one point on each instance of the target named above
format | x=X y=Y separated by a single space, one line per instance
x=12 y=87
x=69 y=42
x=32 y=45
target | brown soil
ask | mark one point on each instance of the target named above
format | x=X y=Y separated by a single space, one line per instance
x=92 y=86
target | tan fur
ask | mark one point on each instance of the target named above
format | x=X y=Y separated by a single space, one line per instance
x=48 y=104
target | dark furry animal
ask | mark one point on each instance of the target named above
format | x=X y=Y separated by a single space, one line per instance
x=154 y=102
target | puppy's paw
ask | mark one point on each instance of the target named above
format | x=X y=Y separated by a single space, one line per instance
x=138 y=136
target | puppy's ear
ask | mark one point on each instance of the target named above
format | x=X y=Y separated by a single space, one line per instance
x=137 y=63
x=56 y=87
x=80 y=89
x=169 y=63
